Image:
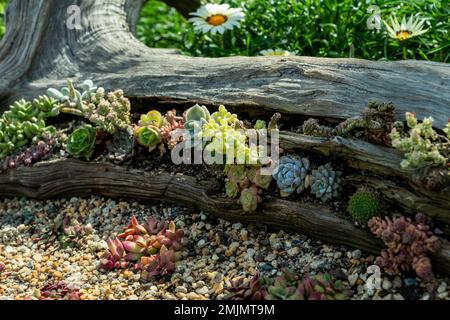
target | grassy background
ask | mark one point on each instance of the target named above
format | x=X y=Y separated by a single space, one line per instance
x=2 y=12
x=325 y=28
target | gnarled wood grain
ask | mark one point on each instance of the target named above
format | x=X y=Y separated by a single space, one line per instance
x=39 y=51
x=65 y=178
x=383 y=162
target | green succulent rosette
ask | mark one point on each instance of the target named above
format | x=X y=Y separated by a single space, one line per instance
x=81 y=142
x=148 y=136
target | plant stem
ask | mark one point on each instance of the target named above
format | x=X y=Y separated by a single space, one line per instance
x=405 y=53
x=73 y=111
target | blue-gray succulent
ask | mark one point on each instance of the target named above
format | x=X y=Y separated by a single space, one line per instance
x=292 y=175
x=326 y=183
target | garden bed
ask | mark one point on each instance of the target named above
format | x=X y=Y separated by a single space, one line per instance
x=77 y=178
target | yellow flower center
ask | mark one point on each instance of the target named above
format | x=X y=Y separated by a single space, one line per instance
x=217 y=19
x=403 y=35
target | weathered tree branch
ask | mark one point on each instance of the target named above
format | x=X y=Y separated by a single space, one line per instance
x=39 y=51
x=383 y=162
x=184 y=6
x=65 y=178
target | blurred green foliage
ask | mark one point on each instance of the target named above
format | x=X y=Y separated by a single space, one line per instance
x=3 y=4
x=325 y=28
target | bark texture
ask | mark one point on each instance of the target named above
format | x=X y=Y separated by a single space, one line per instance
x=66 y=178
x=39 y=51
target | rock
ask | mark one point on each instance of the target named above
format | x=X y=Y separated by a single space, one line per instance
x=181 y=289
x=270 y=257
x=259 y=257
x=356 y=254
x=203 y=290
x=442 y=287
x=201 y=243
x=293 y=251
x=237 y=226
x=443 y=295
x=387 y=285
x=397 y=283
x=352 y=279
x=317 y=264
x=266 y=267
x=426 y=296
x=250 y=254
x=244 y=235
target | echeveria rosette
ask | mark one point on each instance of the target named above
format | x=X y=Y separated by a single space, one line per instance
x=326 y=183
x=249 y=199
x=292 y=175
x=81 y=142
x=148 y=137
x=152 y=118
x=195 y=117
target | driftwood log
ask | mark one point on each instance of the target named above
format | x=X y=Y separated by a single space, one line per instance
x=65 y=178
x=40 y=51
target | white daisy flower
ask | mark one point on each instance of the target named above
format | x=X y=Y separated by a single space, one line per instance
x=276 y=52
x=216 y=18
x=407 y=29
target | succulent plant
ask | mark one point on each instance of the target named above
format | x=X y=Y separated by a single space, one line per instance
x=292 y=175
x=363 y=206
x=194 y=119
x=72 y=98
x=375 y=123
x=155 y=129
x=408 y=244
x=162 y=264
x=260 y=124
x=249 y=199
x=43 y=150
x=422 y=145
x=311 y=127
x=24 y=123
x=326 y=183
x=109 y=112
x=246 y=182
x=172 y=124
x=152 y=247
x=148 y=137
x=317 y=287
x=73 y=232
x=152 y=118
x=58 y=290
x=173 y=238
x=255 y=289
x=113 y=258
x=66 y=231
x=123 y=145
x=81 y=142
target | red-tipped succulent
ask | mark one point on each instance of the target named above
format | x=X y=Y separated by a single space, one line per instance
x=152 y=247
x=112 y=259
x=408 y=243
x=58 y=291
x=161 y=264
x=133 y=229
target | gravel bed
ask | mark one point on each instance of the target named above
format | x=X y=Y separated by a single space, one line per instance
x=218 y=252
